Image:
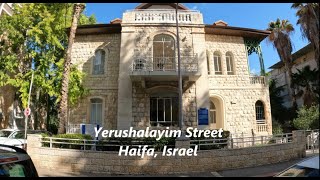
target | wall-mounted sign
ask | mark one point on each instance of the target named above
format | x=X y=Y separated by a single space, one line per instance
x=203 y=116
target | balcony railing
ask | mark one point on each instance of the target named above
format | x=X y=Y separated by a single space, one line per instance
x=188 y=64
x=257 y=80
x=162 y=16
x=262 y=127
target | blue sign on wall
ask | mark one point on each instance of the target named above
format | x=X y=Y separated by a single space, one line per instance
x=203 y=116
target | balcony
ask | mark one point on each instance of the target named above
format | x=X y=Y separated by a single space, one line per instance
x=164 y=68
x=262 y=126
x=155 y=16
x=258 y=80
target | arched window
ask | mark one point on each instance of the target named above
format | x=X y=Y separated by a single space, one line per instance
x=217 y=63
x=229 y=62
x=98 y=62
x=260 y=112
x=213 y=113
x=164 y=52
x=96 y=111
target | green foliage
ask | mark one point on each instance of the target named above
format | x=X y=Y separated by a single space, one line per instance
x=223 y=140
x=104 y=143
x=306 y=81
x=308 y=118
x=34 y=39
x=276 y=128
x=74 y=136
x=73 y=143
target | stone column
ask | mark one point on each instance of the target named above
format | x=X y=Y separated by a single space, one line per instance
x=210 y=63
x=202 y=86
x=124 y=116
x=223 y=63
x=299 y=140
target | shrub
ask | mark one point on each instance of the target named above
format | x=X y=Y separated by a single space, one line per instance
x=225 y=136
x=79 y=137
x=107 y=144
x=308 y=118
x=276 y=128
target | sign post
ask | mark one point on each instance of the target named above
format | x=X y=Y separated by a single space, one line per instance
x=27 y=112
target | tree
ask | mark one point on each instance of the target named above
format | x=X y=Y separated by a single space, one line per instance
x=280 y=38
x=308 y=14
x=308 y=118
x=63 y=111
x=307 y=79
x=276 y=100
x=34 y=39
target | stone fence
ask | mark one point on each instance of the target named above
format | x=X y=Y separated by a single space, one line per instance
x=70 y=160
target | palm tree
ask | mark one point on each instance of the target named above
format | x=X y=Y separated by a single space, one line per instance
x=63 y=109
x=308 y=14
x=280 y=38
x=306 y=78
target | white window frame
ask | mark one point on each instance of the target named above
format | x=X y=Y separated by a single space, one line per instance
x=217 y=63
x=102 y=63
x=260 y=113
x=95 y=121
x=170 y=121
x=229 y=62
x=214 y=113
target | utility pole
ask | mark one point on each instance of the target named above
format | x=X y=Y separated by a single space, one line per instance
x=181 y=123
x=28 y=108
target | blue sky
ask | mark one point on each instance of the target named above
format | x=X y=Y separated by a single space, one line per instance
x=247 y=15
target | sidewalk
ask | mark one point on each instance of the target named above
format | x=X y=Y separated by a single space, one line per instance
x=262 y=171
x=259 y=171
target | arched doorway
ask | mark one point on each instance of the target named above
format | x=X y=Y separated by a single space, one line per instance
x=164 y=107
x=216 y=113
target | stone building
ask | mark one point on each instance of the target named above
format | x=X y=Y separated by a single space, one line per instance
x=301 y=58
x=132 y=73
x=7 y=8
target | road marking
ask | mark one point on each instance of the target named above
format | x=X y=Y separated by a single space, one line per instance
x=216 y=174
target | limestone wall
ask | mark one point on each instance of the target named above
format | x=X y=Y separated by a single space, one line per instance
x=141 y=106
x=103 y=86
x=237 y=94
x=207 y=160
x=239 y=109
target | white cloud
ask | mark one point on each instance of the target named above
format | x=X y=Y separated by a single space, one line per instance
x=195 y=7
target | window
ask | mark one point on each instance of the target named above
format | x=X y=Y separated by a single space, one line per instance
x=96 y=111
x=164 y=53
x=217 y=63
x=164 y=111
x=213 y=113
x=140 y=64
x=229 y=63
x=98 y=62
x=260 y=113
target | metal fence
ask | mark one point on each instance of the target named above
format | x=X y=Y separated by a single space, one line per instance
x=99 y=145
x=312 y=142
x=203 y=144
x=241 y=142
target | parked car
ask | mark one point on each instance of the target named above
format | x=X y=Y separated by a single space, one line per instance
x=15 y=162
x=15 y=137
x=305 y=168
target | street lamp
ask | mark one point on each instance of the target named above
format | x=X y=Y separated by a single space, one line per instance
x=181 y=123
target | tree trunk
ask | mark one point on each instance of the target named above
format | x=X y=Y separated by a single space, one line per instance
x=291 y=87
x=63 y=109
